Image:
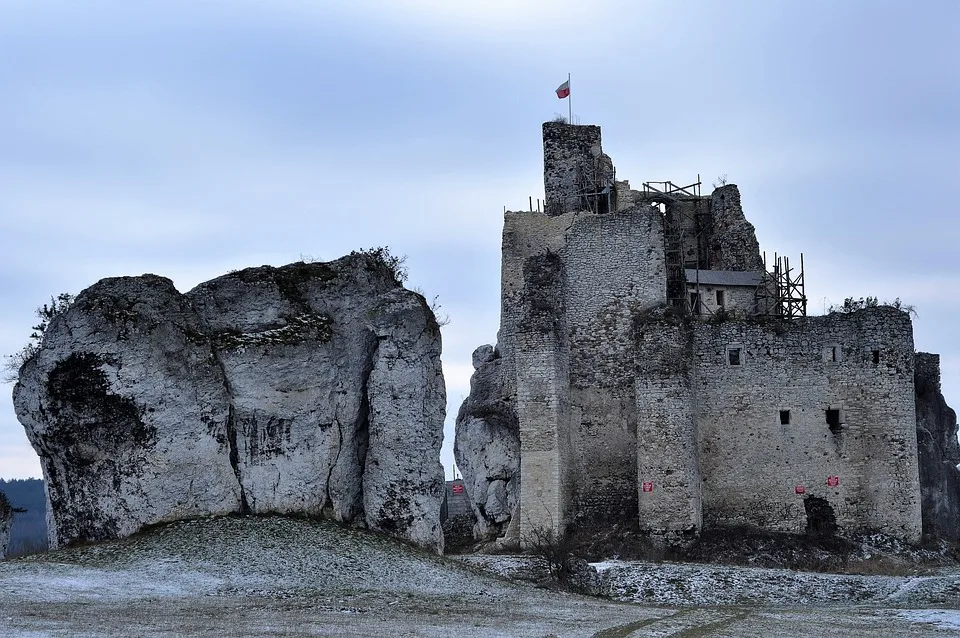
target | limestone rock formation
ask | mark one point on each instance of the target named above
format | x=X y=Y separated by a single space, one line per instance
x=310 y=389
x=6 y=522
x=487 y=446
x=733 y=240
x=939 y=452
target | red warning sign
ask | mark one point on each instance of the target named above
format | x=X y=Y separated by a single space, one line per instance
x=458 y=489
x=833 y=481
x=800 y=489
x=648 y=486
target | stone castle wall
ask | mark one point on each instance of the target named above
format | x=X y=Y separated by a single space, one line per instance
x=668 y=466
x=571 y=286
x=752 y=463
x=565 y=148
x=625 y=408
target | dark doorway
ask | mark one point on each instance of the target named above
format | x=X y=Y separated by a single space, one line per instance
x=821 y=521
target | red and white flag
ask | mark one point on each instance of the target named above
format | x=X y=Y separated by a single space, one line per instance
x=563 y=90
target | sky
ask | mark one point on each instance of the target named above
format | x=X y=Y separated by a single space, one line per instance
x=190 y=138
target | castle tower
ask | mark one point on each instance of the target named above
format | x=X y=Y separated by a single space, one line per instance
x=576 y=174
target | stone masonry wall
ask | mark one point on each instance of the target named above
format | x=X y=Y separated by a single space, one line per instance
x=565 y=148
x=668 y=470
x=732 y=240
x=571 y=286
x=738 y=300
x=615 y=270
x=543 y=399
x=751 y=463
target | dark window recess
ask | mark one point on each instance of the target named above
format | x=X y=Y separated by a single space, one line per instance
x=695 y=303
x=720 y=298
x=833 y=419
x=876 y=356
x=733 y=357
x=784 y=417
x=833 y=353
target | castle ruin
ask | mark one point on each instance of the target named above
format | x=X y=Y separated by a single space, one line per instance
x=649 y=364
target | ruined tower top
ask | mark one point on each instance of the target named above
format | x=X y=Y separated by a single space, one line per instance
x=575 y=170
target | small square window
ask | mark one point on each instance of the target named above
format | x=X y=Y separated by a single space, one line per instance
x=833 y=419
x=784 y=417
x=734 y=356
x=832 y=353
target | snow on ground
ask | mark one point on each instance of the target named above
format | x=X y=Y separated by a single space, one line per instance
x=940 y=618
x=242 y=577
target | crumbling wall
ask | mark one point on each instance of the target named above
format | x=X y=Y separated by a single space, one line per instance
x=571 y=287
x=752 y=464
x=733 y=240
x=543 y=400
x=615 y=270
x=566 y=147
x=939 y=452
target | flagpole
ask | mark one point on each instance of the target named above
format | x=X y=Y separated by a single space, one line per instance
x=569 y=101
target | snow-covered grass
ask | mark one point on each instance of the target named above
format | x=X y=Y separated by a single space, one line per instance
x=277 y=576
x=940 y=618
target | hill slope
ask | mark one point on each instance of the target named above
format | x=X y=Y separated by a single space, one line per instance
x=275 y=576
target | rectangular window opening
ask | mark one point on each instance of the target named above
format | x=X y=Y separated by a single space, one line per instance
x=784 y=417
x=876 y=357
x=733 y=357
x=720 y=299
x=833 y=419
x=832 y=354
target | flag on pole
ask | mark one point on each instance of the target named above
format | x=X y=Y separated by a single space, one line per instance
x=563 y=90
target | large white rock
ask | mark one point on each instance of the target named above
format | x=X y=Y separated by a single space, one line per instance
x=403 y=482
x=127 y=408
x=267 y=390
x=487 y=446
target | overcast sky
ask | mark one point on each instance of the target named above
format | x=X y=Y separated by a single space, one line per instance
x=189 y=138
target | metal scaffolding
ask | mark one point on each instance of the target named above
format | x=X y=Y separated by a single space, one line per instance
x=596 y=188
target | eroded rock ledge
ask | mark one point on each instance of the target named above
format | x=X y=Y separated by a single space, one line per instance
x=311 y=389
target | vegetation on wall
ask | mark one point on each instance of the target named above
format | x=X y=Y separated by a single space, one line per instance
x=46 y=313
x=852 y=304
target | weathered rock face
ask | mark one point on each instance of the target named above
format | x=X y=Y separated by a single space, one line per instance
x=487 y=446
x=733 y=242
x=939 y=452
x=6 y=522
x=312 y=389
x=128 y=410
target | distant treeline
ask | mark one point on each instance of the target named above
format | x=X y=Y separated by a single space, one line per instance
x=29 y=532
